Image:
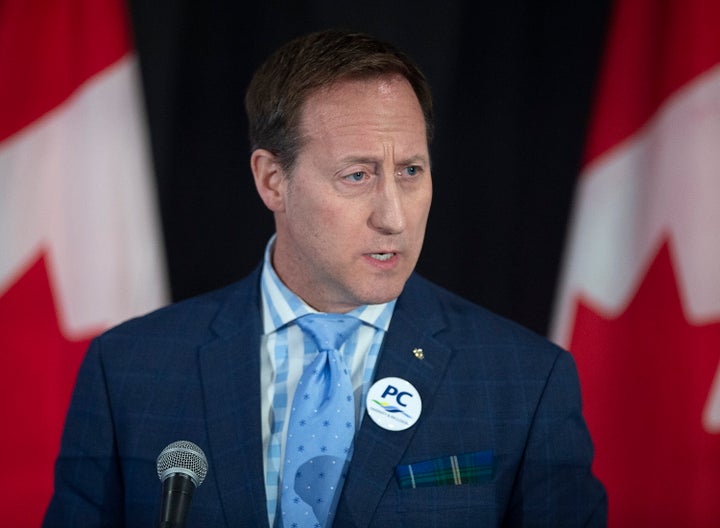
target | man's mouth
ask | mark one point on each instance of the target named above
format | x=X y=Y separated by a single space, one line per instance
x=382 y=256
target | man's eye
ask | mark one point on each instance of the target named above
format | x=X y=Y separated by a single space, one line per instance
x=356 y=176
x=412 y=170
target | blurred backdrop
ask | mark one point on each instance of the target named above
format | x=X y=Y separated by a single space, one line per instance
x=516 y=156
x=82 y=246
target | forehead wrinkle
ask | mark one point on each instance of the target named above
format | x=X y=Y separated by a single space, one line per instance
x=415 y=159
x=325 y=111
x=389 y=149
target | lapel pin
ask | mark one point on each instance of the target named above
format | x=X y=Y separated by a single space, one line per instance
x=418 y=352
x=394 y=404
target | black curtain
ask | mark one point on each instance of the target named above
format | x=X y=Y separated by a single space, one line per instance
x=513 y=83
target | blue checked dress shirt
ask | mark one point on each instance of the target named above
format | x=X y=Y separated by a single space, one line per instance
x=284 y=353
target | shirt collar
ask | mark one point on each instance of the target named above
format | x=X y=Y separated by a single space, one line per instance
x=281 y=306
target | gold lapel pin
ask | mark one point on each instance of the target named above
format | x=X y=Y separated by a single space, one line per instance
x=418 y=353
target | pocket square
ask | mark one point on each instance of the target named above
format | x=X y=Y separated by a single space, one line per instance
x=453 y=470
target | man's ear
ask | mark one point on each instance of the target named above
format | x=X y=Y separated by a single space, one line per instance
x=270 y=180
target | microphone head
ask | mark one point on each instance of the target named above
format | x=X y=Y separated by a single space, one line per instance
x=182 y=457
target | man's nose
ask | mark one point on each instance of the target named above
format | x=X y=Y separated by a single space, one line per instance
x=388 y=214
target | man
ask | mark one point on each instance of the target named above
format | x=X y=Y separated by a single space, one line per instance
x=461 y=417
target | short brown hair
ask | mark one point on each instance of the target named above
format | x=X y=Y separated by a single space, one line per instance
x=292 y=73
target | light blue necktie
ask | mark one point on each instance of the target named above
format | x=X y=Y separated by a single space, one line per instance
x=321 y=427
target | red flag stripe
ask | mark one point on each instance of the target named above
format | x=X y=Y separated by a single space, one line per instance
x=653 y=49
x=49 y=48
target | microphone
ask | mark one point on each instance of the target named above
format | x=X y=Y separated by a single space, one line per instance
x=181 y=467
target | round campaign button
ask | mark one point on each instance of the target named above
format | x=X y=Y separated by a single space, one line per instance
x=394 y=404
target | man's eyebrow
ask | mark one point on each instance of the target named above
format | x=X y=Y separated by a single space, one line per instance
x=418 y=159
x=360 y=159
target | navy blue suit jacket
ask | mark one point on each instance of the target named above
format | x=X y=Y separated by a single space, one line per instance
x=191 y=371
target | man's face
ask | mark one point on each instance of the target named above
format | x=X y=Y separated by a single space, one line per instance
x=354 y=209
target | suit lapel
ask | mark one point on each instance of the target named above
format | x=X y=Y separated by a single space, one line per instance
x=377 y=451
x=230 y=370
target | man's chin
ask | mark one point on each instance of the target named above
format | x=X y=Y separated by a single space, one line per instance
x=382 y=295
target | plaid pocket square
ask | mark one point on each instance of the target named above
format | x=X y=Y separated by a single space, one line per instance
x=454 y=470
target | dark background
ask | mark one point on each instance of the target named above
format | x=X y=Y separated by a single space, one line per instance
x=513 y=84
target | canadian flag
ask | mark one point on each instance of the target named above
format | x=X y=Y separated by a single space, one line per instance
x=80 y=245
x=639 y=297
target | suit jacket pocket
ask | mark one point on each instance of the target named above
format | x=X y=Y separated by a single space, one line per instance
x=439 y=507
x=451 y=470
x=452 y=491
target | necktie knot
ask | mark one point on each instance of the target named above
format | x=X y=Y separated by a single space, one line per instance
x=328 y=331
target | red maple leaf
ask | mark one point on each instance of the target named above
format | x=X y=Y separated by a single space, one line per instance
x=38 y=374
x=646 y=377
